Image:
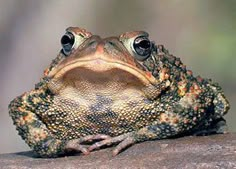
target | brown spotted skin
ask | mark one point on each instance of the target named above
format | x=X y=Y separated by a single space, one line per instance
x=101 y=91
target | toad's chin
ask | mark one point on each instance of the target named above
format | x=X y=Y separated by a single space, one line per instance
x=99 y=77
x=107 y=82
x=84 y=86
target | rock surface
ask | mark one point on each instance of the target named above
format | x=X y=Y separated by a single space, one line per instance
x=215 y=151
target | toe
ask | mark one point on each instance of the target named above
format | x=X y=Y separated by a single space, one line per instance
x=124 y=144
x=94 y=137
x=99 y=144
x=75 y=146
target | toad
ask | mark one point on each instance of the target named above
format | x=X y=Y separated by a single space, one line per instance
x=117 y=90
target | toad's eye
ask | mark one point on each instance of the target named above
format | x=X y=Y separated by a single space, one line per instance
x=142 y=47
x=67 y=42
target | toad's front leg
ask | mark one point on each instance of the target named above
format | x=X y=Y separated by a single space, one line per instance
x=35 y=132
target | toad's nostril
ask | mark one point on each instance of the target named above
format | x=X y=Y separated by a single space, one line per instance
x=90 y=44
x=111 y=43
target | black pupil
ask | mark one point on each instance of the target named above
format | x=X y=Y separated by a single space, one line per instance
x=142 y=46
x=145 y=44
x=67 y=42
x=67 y=39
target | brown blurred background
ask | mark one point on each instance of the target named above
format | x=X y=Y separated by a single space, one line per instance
x=201 y=32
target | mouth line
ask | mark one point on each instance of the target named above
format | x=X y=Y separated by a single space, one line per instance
x=101 y=65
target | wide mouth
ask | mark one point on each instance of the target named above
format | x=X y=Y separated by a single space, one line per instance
x=99 y=70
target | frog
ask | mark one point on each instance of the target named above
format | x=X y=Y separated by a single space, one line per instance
x=121 y=90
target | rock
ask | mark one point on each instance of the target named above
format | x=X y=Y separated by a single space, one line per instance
x=215 y=151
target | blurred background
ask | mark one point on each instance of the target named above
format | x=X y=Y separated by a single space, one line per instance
x=201 y=32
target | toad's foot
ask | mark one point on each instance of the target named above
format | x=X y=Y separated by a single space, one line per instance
x=76 y=144
x=124 y=141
